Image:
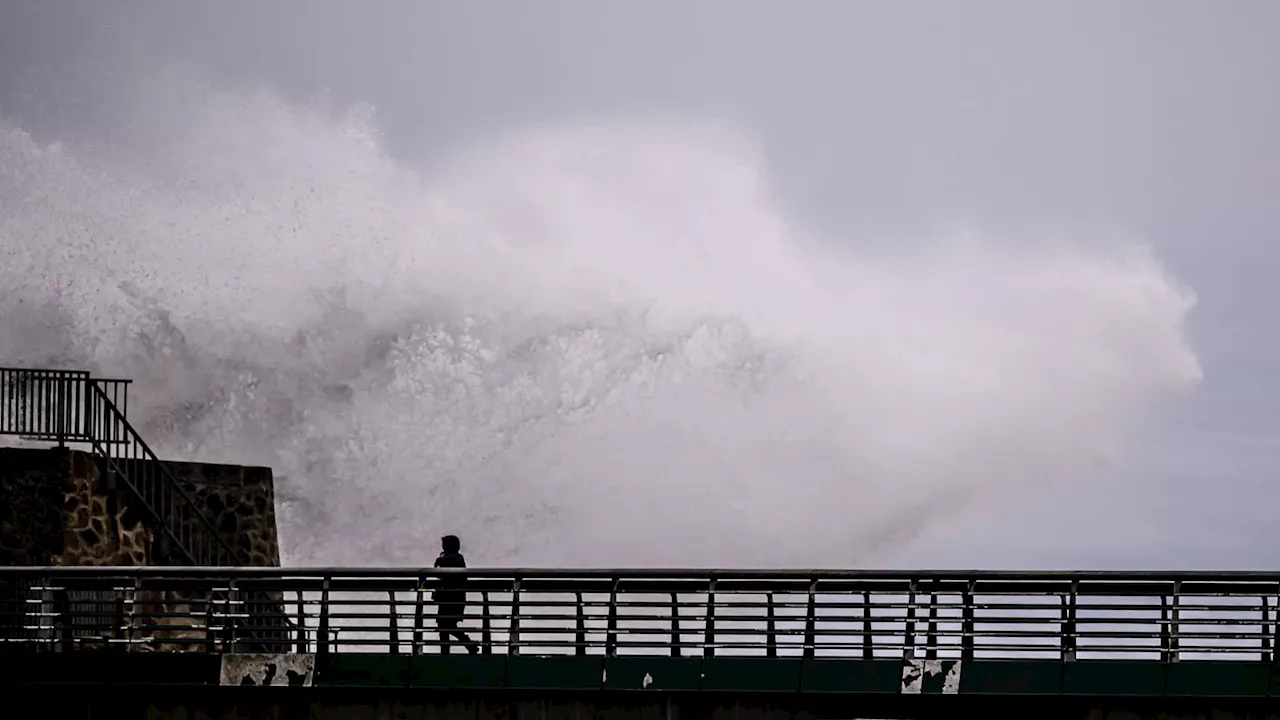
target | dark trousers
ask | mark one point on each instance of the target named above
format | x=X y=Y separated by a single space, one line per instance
x=447 y=622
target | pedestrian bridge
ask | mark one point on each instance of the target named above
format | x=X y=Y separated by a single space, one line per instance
x=894 y=639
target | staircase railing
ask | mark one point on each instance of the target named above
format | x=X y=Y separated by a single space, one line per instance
x=71 y=406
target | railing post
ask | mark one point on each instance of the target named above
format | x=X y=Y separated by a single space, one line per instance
x=301 y=636
x=228 y=617
x=1275 y=633
x=135 y=636
x=486 y=632
x=709 y=636
x=1169 y=624
x=46 y=614
x=419 y=615
x=1266 y=622
x=868 y=640
x=395 y=625
x=811 y=621
x=513 y=637
x=611 y=631
x=119 y=614
x=966 y=626
x=322 y=634
x=771 y=647
x=675 y=625
x=931 y=625
x=60 y=410
x=90 y=419
x=580 y=641
x=1070 y=633
x=909 y=627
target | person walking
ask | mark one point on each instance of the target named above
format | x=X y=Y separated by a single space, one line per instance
x=451 y=597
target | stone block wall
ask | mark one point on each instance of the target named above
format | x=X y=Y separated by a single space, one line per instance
x=31 y=526
x=55 y=509
x=240 y=502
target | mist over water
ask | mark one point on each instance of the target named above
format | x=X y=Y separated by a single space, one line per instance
x=584 y=344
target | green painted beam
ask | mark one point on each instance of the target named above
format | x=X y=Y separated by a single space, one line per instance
x=594 y=674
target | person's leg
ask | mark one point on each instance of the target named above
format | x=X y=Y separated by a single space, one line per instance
x=448 y=626
x=463 y=638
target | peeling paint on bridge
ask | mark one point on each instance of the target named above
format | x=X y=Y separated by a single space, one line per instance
x=918 y=676
x=274 y=670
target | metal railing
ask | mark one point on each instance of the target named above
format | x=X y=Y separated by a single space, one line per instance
x=186 y=536
x=56 y=405
x=71 y=406
x=1161 y=617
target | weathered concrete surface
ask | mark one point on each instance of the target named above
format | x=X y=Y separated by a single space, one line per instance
x=268 y=669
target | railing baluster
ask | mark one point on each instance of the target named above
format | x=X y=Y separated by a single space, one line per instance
x=137 y=606
x=513 y=637
x=771 y=642
x=1266 y=633
x=811 y=621
x=322 y=634
x=230 y=618
x=1070 y=633
x=931 y=627
x=611 y=632
x=419 y=601
x=675 y=625
x=580 y=640
x=210 y=637
x=966 y=627
x=909 y=636
x=485 y=630
x=868 y=640
x=709 y=637
x=395 y=631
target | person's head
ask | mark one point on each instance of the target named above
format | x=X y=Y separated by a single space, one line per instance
x=451 y=544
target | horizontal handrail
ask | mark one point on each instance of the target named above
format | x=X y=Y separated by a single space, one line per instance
x=1139 y=576
x=685 y=612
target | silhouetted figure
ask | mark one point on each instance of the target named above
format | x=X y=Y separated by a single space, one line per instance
x=451 y=597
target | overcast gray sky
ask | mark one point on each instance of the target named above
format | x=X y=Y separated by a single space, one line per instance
x=1159 y=119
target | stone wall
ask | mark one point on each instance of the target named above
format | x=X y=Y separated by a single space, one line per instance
x=31 y=487
x=57 y=509
x=240 y=502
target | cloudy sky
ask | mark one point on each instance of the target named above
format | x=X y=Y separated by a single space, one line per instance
x=878 y=122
